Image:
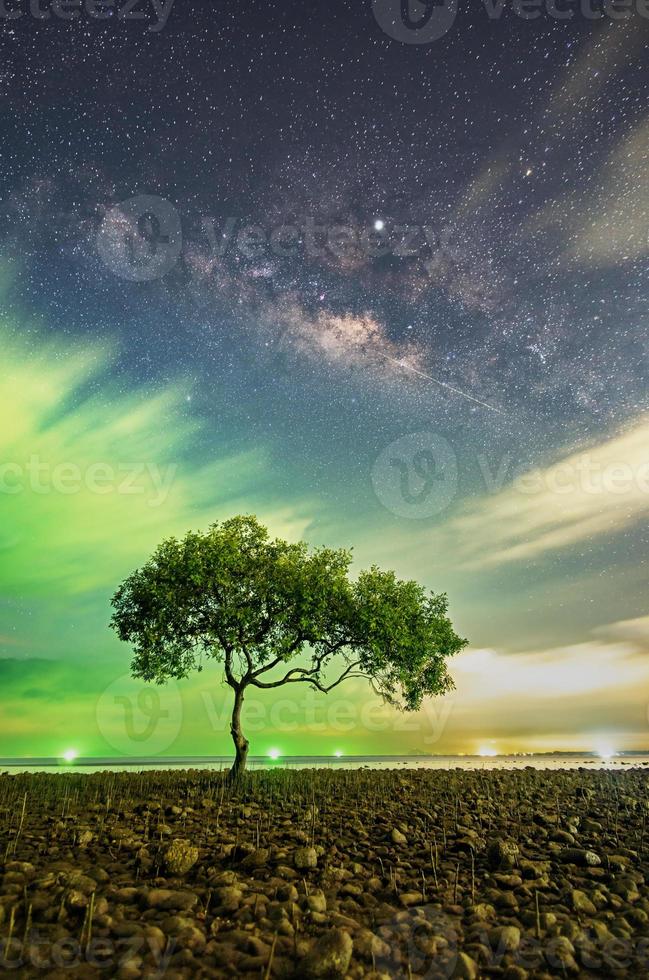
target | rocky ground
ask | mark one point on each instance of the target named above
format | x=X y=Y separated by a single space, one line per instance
x=325 y=873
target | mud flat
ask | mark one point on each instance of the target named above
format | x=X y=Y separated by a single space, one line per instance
x=323 y=873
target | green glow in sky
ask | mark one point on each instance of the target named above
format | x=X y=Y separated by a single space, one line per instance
x=95 y=471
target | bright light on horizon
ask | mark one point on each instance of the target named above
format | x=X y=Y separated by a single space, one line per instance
x=70 y=755
x=338 y=753
x=487 y=751
x=605 y=751
x=274 y=753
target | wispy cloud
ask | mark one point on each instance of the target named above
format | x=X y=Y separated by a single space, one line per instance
x=554 y=698
x=90 y=482
x=595 y=491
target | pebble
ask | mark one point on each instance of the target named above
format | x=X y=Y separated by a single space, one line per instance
x=180 y=857
x=329 y=957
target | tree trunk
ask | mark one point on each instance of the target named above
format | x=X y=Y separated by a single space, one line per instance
x=240 y=741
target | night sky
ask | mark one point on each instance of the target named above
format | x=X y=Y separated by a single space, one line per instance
x=268 y=258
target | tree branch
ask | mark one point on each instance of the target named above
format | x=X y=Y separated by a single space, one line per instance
x=309 y=677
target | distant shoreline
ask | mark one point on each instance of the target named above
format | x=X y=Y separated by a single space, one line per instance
x=544 y=760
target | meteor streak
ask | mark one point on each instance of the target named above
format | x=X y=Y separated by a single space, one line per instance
x=442 y=384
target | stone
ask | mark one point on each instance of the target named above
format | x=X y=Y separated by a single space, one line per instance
x=256 y=859
x=502 y=855
x=305 y=857
x=581 y=857
x=411 y=898
x=397 y=837
x=504 y=939
x=581 y=902
x=465 y=968
x=329 y=957
x=166 y=898
x=228 y=899
x=369 y=946
x=316 y=902
x=180 y=857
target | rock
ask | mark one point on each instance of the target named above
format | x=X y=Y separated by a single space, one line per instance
x=502 y=854
x=305 y=857
x=329 y=957
x=180 y=857
x=80 y=882
x=411 y=898
x=483 y=911
x=581 y=903
x=397 y=837
x=508 y=881
x=126 y=896
x=165 y=898
x=228 y=899
x=316 y=902
x=560 y=954
x=256 y=859
x=515 y=972
x=465 y=968
x=287 y=893
x=369 y=946
x=504 y=939
x=581 y=857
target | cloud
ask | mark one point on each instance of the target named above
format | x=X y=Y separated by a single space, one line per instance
x=93 y=476
x=617 y=230
x=593 y=492
x=578 y=697
x=599 y=59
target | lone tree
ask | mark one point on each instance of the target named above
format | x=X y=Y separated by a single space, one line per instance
x=233 y=595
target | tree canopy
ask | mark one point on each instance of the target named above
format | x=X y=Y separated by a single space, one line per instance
x=255 y=605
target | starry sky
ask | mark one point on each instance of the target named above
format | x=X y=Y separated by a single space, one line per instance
x=266 y=257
